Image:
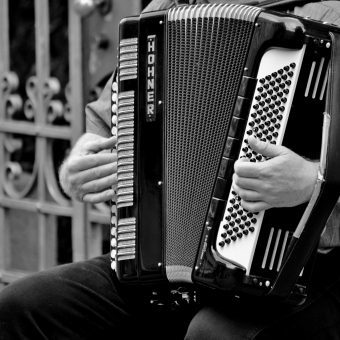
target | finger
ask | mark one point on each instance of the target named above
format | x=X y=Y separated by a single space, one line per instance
x=101 y=144
x=247 y=183
x=247 y=195
x=98 y=172
x=247 y=169
x=255 y=206
x=100 y=184
x=91 y=161
x=243 y=159
x=265 y=148
x=99 y=197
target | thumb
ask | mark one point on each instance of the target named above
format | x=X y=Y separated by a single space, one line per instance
x=265 y=148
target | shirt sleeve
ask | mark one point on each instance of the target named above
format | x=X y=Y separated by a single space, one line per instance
x=157 y=5
x=328 y=11
x=98 y=113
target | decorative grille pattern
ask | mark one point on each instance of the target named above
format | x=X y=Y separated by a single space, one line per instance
x=206 y=58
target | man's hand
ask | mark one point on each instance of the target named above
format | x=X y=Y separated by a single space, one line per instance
x=89 y=173
x=284 y=180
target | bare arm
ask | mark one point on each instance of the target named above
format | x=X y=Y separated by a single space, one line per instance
x=284 y=180
x=89 y=172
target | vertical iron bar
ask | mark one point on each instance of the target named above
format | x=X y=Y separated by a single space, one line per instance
x=4 y=67
x=80 y=223
x=42 y=47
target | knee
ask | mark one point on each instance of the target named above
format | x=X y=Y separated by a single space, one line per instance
x=214 y=324
x=22 y=297
x=200 y=327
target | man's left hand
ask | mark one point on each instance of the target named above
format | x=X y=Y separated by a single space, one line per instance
x=284 y=180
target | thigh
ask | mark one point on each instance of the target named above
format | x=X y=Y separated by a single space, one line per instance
x=216 y=323
x=318 y=321
x=318 y=318
x=69 y=301
x=83 y=300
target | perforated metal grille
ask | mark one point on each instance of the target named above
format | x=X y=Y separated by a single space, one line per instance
x=206 y=61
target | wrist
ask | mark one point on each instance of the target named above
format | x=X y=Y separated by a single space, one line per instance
x=313 y=176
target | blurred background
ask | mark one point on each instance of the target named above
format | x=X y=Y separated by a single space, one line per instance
x=55 y=56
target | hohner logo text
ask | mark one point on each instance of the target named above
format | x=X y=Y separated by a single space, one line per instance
x=151 y=78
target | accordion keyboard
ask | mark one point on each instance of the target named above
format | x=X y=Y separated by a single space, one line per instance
x=123 y=233
x=277 y=78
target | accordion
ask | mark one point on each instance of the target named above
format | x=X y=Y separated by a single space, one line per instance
x=193 y=83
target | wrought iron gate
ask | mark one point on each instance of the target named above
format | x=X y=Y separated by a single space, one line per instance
x=41 y=117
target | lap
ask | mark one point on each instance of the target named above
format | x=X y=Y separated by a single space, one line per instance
x=318 y=318
x=78 y=300
x=82 y=300
x=85 y=300
x=317 y=321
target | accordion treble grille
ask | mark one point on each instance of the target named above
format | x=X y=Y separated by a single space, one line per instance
x=201 y=94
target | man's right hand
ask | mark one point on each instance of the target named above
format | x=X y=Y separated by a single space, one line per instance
x=89 y=173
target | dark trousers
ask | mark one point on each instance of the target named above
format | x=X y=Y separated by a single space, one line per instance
x=85 y=301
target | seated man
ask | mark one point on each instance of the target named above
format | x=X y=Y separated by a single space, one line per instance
x=84 y=300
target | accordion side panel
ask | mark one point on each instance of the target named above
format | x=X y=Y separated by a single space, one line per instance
x=206 y=59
